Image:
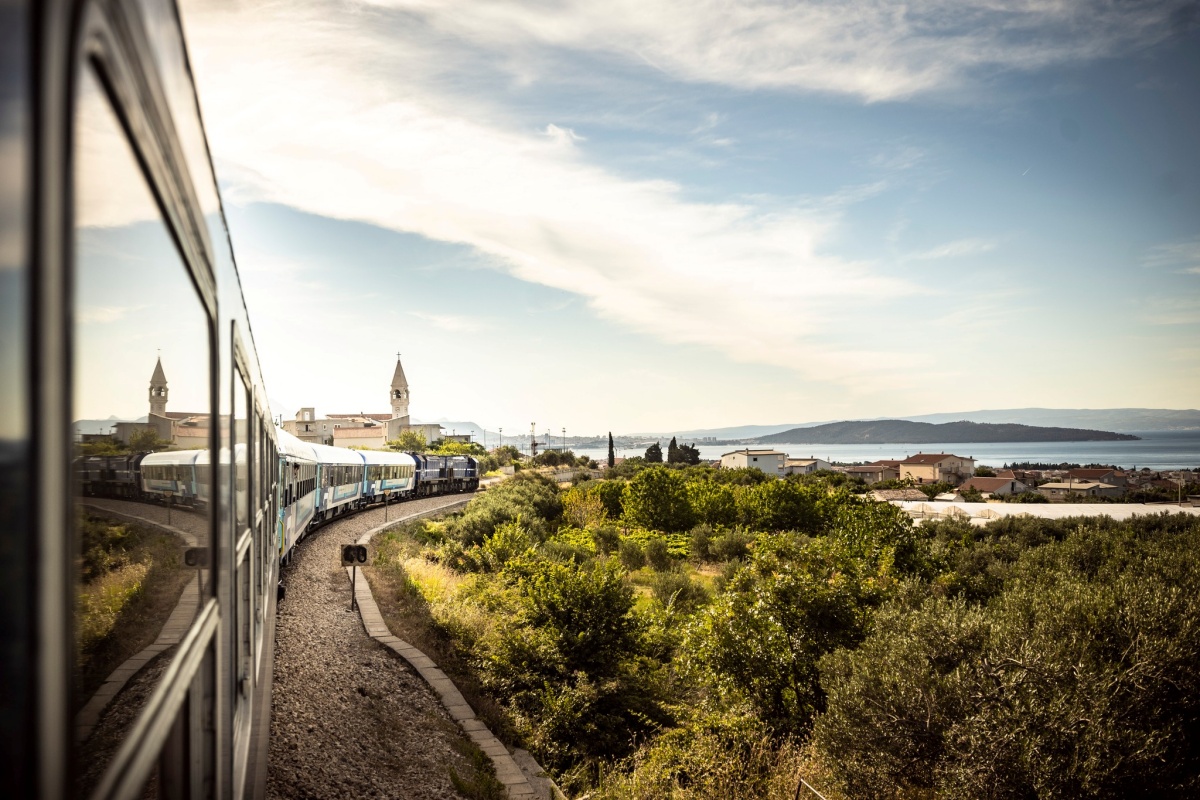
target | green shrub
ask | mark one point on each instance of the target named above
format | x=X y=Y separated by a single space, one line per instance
x=1076 y=679
x=657 y=554
x=731 y=546
x=700 y=542
x=676 y=590
x=606 y=539
x=631 y=554
x=657 y=499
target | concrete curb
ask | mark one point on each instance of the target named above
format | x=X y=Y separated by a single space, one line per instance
x=516 y=782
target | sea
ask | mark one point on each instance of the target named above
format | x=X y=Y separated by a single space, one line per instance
x=1157 y=450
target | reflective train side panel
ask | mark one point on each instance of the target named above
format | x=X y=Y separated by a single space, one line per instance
x=115 y=247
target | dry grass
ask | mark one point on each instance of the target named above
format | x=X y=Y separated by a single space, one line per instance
x=420 y=603
x=122 y=610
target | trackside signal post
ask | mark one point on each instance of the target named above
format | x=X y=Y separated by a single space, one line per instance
x=354 y=556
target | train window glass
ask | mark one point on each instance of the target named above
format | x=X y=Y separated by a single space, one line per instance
x=241 y=452
x=141 y=369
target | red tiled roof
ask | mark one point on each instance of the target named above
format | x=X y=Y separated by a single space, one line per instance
x=986 y=484
x=929 y=458
x=886 y=462
x=1090 y=474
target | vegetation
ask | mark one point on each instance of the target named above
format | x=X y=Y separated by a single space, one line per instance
x=680 y=631
x=130 y=577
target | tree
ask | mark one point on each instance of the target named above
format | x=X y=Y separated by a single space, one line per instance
x=657 y=498
x=673 y=454
x=409 y=442
x=713 y=503
x=654 y=454
x=689 y=454
x=146 y=441
x=612 y=453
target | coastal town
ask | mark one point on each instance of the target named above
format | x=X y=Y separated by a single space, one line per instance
x=958 y=478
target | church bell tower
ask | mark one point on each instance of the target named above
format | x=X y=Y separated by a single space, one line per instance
x=399 y=393
x=158 y=391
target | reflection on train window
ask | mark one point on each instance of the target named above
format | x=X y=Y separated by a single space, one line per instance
x=141 y=408
x=241 y=451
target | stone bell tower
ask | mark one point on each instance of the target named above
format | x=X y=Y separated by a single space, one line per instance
x=399 y=393
x=158 y=391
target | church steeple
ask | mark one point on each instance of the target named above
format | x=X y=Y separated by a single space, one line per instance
x=399 y=393
x=158 y=390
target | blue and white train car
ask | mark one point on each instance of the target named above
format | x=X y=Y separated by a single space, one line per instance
x=171 y=477
x=297 y=501
x=340 y=476
x=390 y=475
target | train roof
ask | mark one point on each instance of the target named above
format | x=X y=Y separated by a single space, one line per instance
x=337 y=455
x=292 y=447
x=174 y=457
x=386 y=457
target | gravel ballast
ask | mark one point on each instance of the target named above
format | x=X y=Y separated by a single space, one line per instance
x=349 y=718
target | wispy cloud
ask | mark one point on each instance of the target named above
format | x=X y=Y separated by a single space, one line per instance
x=102 y=315
x=871 y=49
x=956 y=249
x=304 y=118
x=1182 y=256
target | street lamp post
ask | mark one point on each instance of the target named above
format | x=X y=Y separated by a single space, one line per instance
x=502 y=436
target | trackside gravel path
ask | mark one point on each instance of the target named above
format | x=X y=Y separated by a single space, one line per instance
x=349 y=718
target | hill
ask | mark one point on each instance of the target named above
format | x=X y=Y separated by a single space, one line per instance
x=898 y=431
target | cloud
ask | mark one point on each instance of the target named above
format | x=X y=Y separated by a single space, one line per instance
x=956 y=249
x=101 y=315
x=871 y=49
x=325 y=114
x=1183 y=255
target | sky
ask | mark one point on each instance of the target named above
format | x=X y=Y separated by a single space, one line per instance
x=637 y=216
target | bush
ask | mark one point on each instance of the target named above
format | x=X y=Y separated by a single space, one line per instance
x=657 y=499
x=676 y=590
x=731 y=546
x=657 y=555
x=607 y=539
x=631 y=554
x=761 y=638
x=1077 y=679
x=700 y=542
x=713 y=503
x=530 y=497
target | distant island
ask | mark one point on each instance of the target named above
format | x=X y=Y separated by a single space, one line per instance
x=899 y=431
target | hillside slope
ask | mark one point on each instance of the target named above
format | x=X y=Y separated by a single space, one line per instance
x=898 y=431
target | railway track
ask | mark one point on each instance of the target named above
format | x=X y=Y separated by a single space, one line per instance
x=349 y=719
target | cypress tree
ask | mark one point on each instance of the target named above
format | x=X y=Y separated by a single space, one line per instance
x=673 y=455
x=612 y=454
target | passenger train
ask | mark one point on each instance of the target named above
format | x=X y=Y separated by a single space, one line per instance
x=112 y=240
x=317 y=482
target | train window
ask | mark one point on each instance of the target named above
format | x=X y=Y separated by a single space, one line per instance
x=140 y=534
x=241 y=452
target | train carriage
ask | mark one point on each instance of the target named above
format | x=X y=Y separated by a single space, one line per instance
x=390 y=475
x=170 y=477
x=297 y=499
x=340 y=475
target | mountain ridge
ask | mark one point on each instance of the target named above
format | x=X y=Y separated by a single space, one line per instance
x=900 y=431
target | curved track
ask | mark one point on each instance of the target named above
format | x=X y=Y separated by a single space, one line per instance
x=349 y=718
